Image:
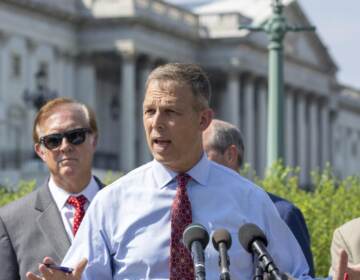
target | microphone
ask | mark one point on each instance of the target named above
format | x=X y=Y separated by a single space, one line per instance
x=196 y=238
x=253 y=239
x=221 y=240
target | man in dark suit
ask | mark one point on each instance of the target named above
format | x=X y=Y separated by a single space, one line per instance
x=224 y=144
x=44 y=222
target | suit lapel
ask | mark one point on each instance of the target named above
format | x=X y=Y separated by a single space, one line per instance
x=49 y=220
x=101 y=184
x=50 y=223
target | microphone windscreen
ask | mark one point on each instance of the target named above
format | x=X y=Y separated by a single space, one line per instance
x=248 y=233
x=195 y=232
x=221 y=235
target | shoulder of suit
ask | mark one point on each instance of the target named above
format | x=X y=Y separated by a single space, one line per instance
x=283 y=203
x=19 y=205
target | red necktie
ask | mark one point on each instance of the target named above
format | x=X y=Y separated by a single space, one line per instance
x=181 y=265
x=78 y=202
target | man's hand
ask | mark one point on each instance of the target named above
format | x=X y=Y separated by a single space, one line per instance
x=343 y=268
x=53 y=274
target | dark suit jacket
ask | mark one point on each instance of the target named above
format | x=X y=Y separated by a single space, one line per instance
x=296 y=222
x=30 y=229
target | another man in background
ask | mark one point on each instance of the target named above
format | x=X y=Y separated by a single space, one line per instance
x=346 y=237
x=223 y=143
x=44 y=222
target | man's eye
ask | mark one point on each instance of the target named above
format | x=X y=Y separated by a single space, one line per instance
x=149 y=112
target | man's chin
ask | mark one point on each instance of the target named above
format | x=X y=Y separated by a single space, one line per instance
x=163 y=158
x=69 y=170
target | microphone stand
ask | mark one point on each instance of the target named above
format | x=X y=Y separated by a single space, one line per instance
x=259 y=271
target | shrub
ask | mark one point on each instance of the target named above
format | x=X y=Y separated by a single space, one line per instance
x=329 y=204
x=7 y=196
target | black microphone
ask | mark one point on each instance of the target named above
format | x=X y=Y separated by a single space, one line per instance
x=221 y=240
x=196 y=238
x=253 y=239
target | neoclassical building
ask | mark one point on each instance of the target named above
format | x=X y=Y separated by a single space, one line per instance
x=101 y=51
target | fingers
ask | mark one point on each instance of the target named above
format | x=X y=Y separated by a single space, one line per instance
x=54 y=274
x=48 y=260
x=342 y=266
x=353 y=272
x=79 y=269
x=32 y=276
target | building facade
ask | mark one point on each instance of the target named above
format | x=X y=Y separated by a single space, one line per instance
x=101 y=51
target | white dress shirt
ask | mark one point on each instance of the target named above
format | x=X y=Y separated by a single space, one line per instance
x=67 y=211
x=126 y=231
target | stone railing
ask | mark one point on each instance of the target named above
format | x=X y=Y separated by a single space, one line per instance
x=61 y=8
x=149 y=11
x=168 y=16
x=162 y=10
x=349 y=96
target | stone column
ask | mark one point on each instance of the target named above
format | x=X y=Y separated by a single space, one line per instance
x=357 y=165
x=30 y=69
x=64 y=69
x=86 y=82
x=4 y=37
x=302 y=138
x=249 y=135
x=127 y=95
x=144 y=154
x=289 y=129
x=262 y=94
x=3 y=103
x=325 y=133
x=314 y=135
x=347 y=153
x=337 y=138
x=233 y=98
x=69 y=74
x=353 y=152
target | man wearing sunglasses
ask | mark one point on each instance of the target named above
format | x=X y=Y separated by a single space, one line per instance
x=45 y=222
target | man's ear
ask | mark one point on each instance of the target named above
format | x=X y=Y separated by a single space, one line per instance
x=206 y=117
x=39 y=150
x=94 y=140
x=231 y=154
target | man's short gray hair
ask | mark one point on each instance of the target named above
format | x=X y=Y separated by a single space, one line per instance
x=223 y=135
x=188 y=74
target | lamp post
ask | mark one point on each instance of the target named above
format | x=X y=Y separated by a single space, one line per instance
x=42 y=94
x=276 y=28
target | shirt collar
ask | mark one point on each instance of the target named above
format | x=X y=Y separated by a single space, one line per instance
x=60 y=196
x=199 y=172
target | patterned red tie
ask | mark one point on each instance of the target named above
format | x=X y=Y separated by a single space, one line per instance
x=78 y=202
x=181 y=265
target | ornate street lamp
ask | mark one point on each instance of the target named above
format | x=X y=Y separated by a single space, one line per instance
x=42 y=94
x=276 y=28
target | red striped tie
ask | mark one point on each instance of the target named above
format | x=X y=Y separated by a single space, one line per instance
x=181 y=265
x=78 y=202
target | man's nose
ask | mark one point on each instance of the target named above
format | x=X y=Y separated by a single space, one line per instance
x=65 y=145
x=158 y=120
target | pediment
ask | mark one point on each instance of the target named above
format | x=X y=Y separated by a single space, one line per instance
x=305 y=46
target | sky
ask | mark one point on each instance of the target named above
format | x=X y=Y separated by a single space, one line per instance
x=338 y=25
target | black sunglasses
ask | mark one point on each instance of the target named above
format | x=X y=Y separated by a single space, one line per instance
x=75 y=137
